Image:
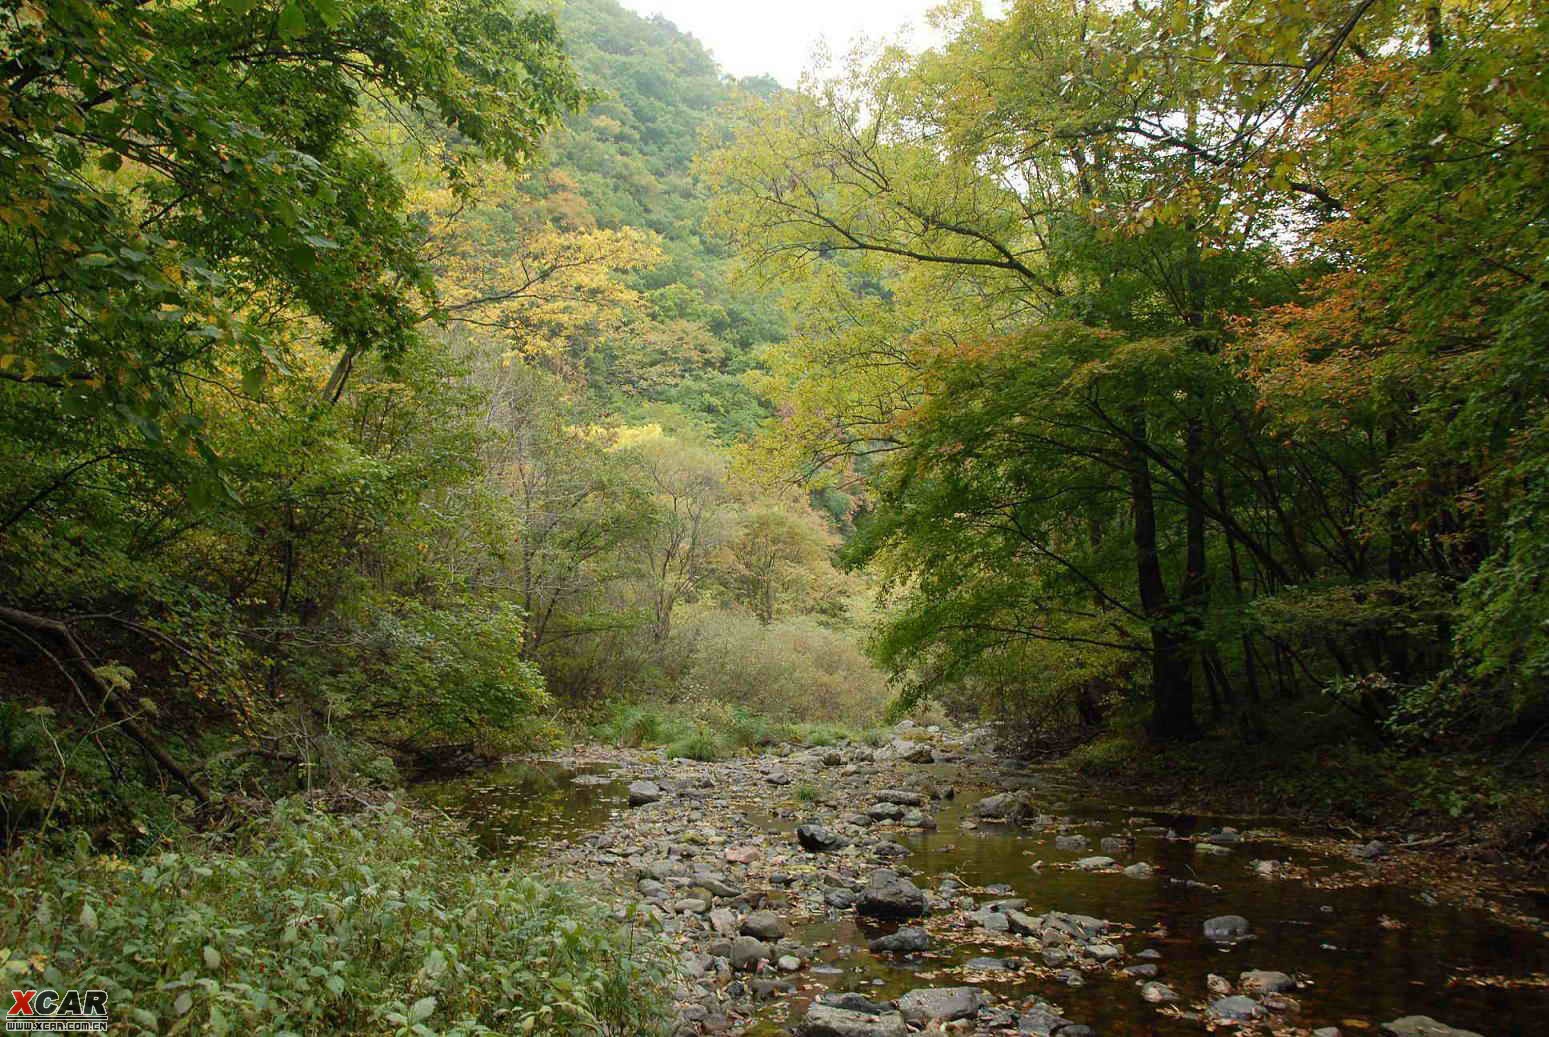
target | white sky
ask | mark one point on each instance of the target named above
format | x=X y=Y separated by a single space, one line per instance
x=776 y=37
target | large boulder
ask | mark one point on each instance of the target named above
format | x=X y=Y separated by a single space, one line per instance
x=902 y=797
x=815 y=838
x=890 y=895
x=941 y=1004
x=764 y=925
x=644 y=792
x=748 y=951
x=828 y=1021
x=1009 y=806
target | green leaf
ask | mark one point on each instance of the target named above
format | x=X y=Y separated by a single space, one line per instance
x=212 y=957
x=422 y=1009
x=293 y=20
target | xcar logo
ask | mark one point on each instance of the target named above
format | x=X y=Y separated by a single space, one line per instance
x=49 y=1011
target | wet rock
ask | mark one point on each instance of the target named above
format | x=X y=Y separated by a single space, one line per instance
x=1422 y=1026
x=994 y=921
x=1022 y=924
x=1095 y=863
x=1211 y=849
x=1104 y=952
x=747 y=952
x=843 y=899
x=1158 y=993
x=1142 y=971
x=1261 y=981
x=765 y=925
x=1218 y=985
x=1083 y=927
x=1225 y=837
x=917 y=819
x=1009 y=806
x=1070 y=842
x=1041 y=1020
x=815 y=838
x=987 y=965
x=642 y=793
x=890 y=895
x=941 y=1004
x=1237 y=1009
x=907 y=940
x=1113 y=844
x=1224 y=928
x=1139 y=870
x=827 y=1021
x=884 y=811
x=888 y=848
x=788 y=963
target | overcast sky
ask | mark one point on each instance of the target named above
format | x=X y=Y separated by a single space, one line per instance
x=775 y=37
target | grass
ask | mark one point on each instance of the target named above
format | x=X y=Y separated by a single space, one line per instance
x=711 y=731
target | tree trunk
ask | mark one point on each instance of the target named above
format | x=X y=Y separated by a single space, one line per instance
x=1172 y=682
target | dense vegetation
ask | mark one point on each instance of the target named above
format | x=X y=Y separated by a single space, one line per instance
x=383 y=383
x=1190 y=353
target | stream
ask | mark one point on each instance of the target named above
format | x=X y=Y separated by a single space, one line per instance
x=1358 y=952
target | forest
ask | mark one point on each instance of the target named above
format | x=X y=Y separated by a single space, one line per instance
x=388 y=387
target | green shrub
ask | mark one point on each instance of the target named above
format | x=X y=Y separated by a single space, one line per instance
x=634 y=726
x=700 y=744
x=311 y=923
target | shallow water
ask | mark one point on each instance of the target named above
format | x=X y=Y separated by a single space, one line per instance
x=1368 y=953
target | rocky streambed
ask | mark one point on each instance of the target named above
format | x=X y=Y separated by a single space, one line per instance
x=927 y=886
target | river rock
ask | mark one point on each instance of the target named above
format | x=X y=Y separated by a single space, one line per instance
x=642 y=793
x=1008 y=805
x=1139 y=870
x=765 y=925
x=815 y=838
x=1158 y=993
x=1422 y=1026
x=902 y=797
x=1224 y=928
x=1261 y=981
x=1042 y=1020
x=747 y=952
x=1237 y=1009
x=941 y=1004
x=724 y=921
x=994 y=921
x=1070 y=842
x=884 y=811
x=890 y=895
x=1095 y=863
x=827 y=1021
x=905 y=941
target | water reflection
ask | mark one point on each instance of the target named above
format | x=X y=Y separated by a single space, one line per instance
x=526 y=805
